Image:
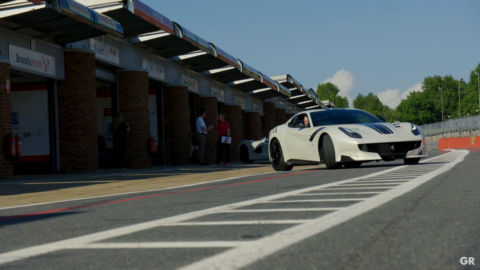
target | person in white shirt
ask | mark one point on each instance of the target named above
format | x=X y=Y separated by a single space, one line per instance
x=202 y=135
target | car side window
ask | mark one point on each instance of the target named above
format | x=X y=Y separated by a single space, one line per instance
x=298 y=122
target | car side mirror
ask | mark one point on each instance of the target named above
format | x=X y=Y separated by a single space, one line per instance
x=382 y=118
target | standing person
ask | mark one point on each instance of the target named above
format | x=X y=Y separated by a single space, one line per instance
x=223 y=148
x=202 y=135
x=120 y=129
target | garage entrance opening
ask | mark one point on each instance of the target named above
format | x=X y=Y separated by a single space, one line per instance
x=34 y=120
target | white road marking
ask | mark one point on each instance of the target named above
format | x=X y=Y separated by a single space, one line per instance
x=210 y=244
x=354 y=188
x=319 y=200
x=337 y=193
x=238 y=222
x=95 y=237
x=306 y=230
x=371 y=184
x=245 y=255
x=135 y=192
x=381 y=181
x=283 y=210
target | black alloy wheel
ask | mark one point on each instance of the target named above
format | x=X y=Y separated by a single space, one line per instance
x=276 y=155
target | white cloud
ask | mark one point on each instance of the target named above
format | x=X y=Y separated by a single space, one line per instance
x=345 y=81
x=392 y=97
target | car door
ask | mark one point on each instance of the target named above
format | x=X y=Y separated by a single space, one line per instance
x=297 y=140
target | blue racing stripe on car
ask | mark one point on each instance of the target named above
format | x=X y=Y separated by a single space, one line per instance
x=383 y=128
x=315 y=133
x=374 y=128
x=379 y=128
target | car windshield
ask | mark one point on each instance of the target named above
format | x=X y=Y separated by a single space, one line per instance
x=338 y=117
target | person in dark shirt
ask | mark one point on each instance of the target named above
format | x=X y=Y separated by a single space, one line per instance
x=120 y=129
x=223 y=148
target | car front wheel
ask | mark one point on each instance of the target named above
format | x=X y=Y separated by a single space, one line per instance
x=276 y=154
x=328 y=153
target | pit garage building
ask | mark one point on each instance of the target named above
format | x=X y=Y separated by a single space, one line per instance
x=68 y=67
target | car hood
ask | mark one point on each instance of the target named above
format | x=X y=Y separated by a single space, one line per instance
x=402 y=131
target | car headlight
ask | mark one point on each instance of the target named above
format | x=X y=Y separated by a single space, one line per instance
x=350 y=133
x=415 y=130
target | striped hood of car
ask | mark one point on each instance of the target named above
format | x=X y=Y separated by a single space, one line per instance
x=380 y=128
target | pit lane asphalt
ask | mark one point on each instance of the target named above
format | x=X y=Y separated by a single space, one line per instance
x=395 y=234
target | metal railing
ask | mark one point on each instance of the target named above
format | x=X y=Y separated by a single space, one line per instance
x=461 y=127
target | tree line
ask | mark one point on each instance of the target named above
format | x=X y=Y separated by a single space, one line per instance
x=420 y=107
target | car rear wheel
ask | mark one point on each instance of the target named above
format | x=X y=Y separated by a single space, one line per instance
x=276 y=154
x=328 y=153
x=411 y=161
x=354 y=164
x=244 y=156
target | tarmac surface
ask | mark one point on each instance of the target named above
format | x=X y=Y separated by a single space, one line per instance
x=380 y=216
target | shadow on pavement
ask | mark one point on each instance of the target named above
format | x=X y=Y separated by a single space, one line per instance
x=34 y=184
x=15 y=220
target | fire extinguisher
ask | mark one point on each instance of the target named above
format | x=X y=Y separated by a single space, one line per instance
x=18 y=147
x=11 y=148
x=153 y=146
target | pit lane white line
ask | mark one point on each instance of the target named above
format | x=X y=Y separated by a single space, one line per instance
x=210 y=244
x=338 y=216
x=138 y=192
x=245 y=255
x=283 y=210
x=337 y=193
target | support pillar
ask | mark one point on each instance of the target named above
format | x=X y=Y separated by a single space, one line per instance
x=6 y=166
x=176 y=115
x=269 y=117
x=280 y=116
x=133 y=101
x=210 y=104
x=253 y=131
x=77 y=117
x=234 y=118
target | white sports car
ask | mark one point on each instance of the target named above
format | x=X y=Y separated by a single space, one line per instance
x=250 y=150
x=347 y=137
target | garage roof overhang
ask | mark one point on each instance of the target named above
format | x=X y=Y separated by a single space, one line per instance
x=258 y=85
x=296 y=88
x=230 y=73
x=316 y=99
x=329 y=104
x=57 y=21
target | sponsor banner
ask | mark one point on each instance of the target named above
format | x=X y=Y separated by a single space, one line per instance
x=75 y=8
x=31 y=60
x=219 y=93
x=250 y=71
x=284 y=90
x=227 y=58
x=192 y=83
x=240 y=101
x=108 y=23
x=257 y=106
x=155 y=71
x=105 y=52
x=148 y=14
x=269 y=82
x=196 y=40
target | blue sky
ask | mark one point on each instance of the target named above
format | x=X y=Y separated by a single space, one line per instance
x=363 y=46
